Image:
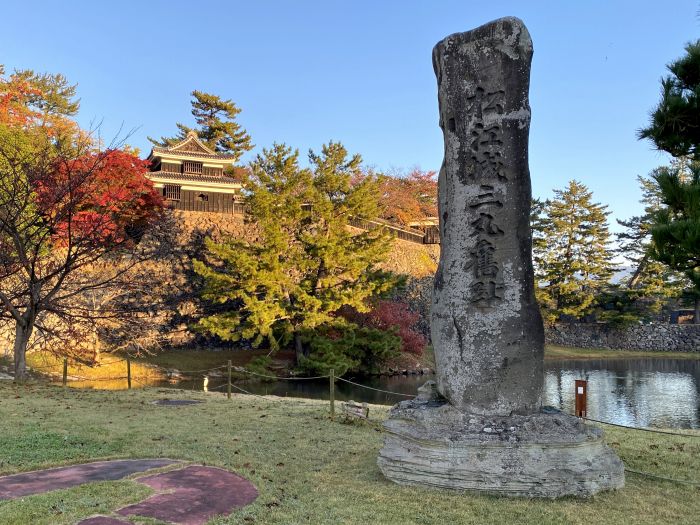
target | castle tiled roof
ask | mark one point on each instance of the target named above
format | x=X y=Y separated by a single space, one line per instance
x=159 y=149
x=195 y=177
x=191 y=146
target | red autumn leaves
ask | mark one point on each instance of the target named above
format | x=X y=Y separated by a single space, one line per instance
x=98 y=197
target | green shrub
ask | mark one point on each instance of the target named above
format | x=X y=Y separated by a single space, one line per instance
x=261 y=365
x=346 y=347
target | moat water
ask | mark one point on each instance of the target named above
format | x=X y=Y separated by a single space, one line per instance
x=661 y=393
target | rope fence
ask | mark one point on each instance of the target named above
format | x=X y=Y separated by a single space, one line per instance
x=375 y=389
x=279 y=378
x=663 y=478
x=186 y=372
x=643 y=429
x=229 y=386
x=169 y=372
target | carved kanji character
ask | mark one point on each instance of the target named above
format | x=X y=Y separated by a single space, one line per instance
x=485 y=293
x=486 y=146
x=486 y=198
x=482 y=259
x=481 y=102
x=486 y=225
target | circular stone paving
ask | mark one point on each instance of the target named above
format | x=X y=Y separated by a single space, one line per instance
x=188 y=495
x=176 y=402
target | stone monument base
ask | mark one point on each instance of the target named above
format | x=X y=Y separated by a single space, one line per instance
x=545 y=455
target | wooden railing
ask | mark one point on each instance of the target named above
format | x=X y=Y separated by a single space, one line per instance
x=430 y=236
x=400 y=233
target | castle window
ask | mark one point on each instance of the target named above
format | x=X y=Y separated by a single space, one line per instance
x=213 y=172
x=171 y=192
x=170 y=167
x=189 y=166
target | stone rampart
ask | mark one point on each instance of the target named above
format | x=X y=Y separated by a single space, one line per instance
x=660 y=337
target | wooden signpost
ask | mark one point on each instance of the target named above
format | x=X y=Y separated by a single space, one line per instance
x=581 y=387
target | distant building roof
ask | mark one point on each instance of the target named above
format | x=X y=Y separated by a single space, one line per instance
x=223 y=179
x=191 y=146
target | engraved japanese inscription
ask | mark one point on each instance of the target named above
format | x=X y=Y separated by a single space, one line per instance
x=487 y=287
x=479 y=426
x=485 y=324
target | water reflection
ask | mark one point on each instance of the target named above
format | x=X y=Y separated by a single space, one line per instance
x=662 y=393
x=319 y=389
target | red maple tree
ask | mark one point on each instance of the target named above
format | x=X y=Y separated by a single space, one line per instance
x=392 y=315
x=71 y=215
x=99 y=197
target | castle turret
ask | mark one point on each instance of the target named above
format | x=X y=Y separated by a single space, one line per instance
x=193 y=177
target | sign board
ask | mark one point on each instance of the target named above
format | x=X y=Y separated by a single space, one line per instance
x=581 y=387
x=358 y=410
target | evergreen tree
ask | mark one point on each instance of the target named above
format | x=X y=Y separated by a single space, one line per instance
x=574 y=254
x=539 y=225
x=51 y=95
x=675 y=128
x=217 y=126
x=306 y=264
x=676 y=226
x=650 y=278
x=675 y=122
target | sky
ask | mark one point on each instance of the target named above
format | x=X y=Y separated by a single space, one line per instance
x=359 y=72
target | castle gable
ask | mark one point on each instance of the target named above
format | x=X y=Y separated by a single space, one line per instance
x=191 y=144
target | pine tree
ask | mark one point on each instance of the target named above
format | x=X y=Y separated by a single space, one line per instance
x=574 y=254
x=218 y=128
x=675 y=122
x=642 y=294
x=539 y=225
x=307 y=263
x=650 y=278
x=676 y=226
x=675 y=128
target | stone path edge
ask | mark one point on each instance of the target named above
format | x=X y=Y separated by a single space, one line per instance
x=56 y=469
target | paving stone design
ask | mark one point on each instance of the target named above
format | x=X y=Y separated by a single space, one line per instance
x=193 y=495
x=103 y=520
x=38 y=481
x=190 y=495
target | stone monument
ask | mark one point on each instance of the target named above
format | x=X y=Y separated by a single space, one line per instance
x=481 y=426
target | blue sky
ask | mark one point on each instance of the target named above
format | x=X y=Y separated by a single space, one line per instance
x=360 y=72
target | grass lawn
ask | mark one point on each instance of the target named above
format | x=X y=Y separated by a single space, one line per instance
x=566 y=352
x=307 y=468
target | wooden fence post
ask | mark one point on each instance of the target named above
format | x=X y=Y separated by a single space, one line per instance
x=128 y=373
x=331 y=379
x=228 y=387
x=65 y=371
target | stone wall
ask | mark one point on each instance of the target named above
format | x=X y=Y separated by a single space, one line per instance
x=660 y=337
x=413 y=260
